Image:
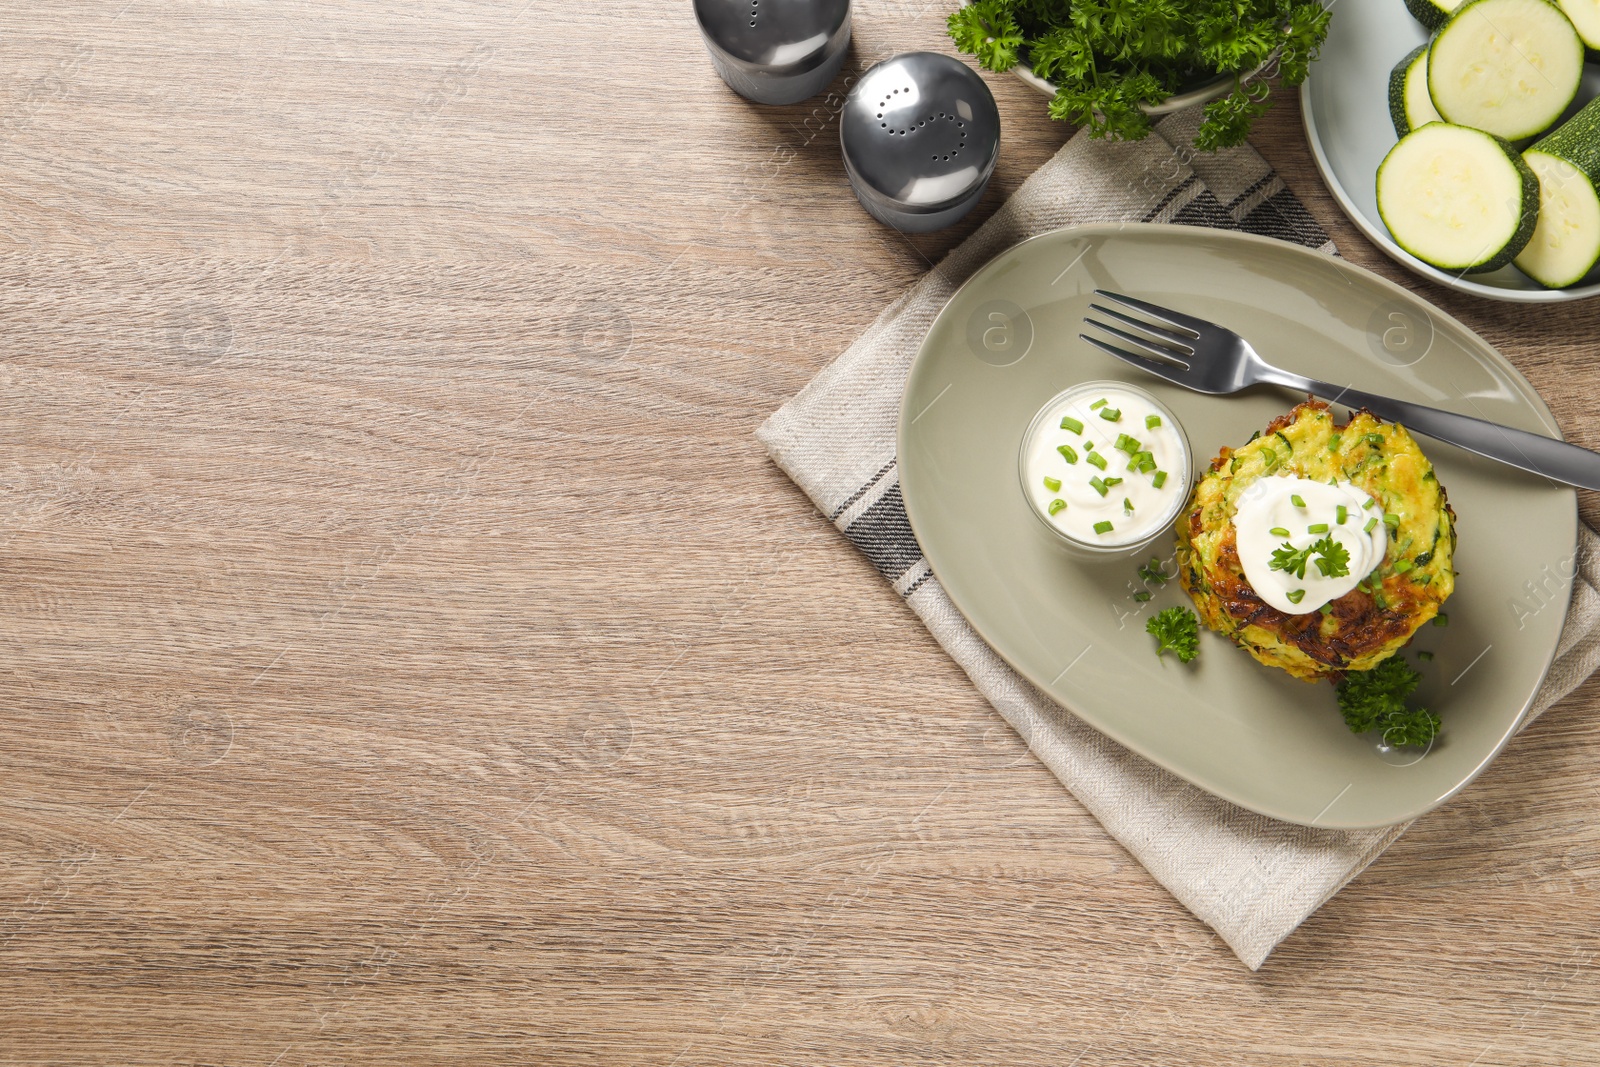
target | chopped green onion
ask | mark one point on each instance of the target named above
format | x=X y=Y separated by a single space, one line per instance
x=1070 y=423
x=1097 y=460
x=1278 y=531
x=1069 y=453
x=1159 y=480
x=1142 y=596
x=1373 y=439
x=1295 y=595
x=1333 y=442
x=1152 y=421
x=1113 y=481
x=1342 y=514
x=1111 y=414
x=1317 y=527
x=1425 y=655
x=1441 y=619
x=1098 y=485
x=1103 y=527
x=1326 y=609
x=1145 y=462
x=1102 y=402
x=1391 y=519
x=1057 y=505
x=1370 y=524
x=1402 y=565
x=1127 y=505
x=1127 y=444
x=1052 y=484
x=1369 y=504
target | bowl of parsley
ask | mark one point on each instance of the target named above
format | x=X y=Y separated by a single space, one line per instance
x=1113 y=65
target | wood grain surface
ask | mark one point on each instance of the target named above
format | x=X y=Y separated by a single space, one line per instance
x=412 y=657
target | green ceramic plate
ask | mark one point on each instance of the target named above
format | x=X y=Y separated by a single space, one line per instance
x=1007 y=342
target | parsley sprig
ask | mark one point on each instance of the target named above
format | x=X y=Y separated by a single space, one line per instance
x=1376 y=700
x=1332 y=558
x=1108 y=57
x=1176 y=630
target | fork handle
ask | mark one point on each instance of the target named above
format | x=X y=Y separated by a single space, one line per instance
x=1535 y=453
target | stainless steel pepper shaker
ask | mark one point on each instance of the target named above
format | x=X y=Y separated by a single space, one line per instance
x=920 y=134
x=775 y=51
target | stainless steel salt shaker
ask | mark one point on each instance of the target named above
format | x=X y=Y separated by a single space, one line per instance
x=920 y=134
x=775 y=51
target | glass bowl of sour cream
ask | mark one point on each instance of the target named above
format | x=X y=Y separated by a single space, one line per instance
x=1105 y=467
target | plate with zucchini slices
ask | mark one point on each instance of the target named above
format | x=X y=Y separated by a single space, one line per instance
x=1463 y=138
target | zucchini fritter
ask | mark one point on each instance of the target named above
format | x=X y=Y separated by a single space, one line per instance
x=1365 y=626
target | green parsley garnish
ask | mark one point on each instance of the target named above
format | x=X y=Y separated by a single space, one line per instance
x=1333 y=559
x=1296 y=500
x=1291 y=559
x=1057 y=505
x=1070 y=454
x=1070 y=423
x=1317 y=527
x=1103 y=526
x=1295 y=595
x=1052 y=484
x=1278 y=531
x=1152 y=421
x=1176 y=630
x=1159 y=480
x=1096 y=459
x=1376 y=700
x=1102 y=402
x=1111 y=414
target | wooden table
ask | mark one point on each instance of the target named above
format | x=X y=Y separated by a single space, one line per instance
x=411 y=655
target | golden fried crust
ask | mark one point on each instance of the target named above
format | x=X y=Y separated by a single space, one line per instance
x=1367 y=624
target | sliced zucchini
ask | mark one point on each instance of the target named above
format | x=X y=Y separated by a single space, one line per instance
x=1432 y=13
x=1585 y=16
x=1410 y=105
x=1508 y=67
x=1458 y=198
x=1566 y=242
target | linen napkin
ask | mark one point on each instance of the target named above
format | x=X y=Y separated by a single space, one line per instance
x=1250 y=878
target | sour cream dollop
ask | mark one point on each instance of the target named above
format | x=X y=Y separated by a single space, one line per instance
x=1105 y=465
x=1268 y=516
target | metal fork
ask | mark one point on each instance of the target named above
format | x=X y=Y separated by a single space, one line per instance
x=1208 y=358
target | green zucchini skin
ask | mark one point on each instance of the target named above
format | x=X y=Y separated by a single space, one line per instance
x=1428 y=13
x=1577 y=141
x=1397 y=89
x=1527 y=221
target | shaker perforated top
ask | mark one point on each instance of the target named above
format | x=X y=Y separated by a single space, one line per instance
x=775 y=51
x=920 y=134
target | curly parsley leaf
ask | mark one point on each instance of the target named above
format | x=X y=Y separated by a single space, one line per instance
x=1291 y=559
x=1376 y=700
x=987 y=29
x=1333 y=559
x=1176 y=630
